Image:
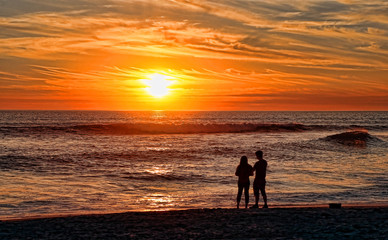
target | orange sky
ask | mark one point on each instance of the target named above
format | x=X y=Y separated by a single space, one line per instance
x=222 y=55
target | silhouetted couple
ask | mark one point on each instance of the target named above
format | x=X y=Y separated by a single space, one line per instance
x=243 y=171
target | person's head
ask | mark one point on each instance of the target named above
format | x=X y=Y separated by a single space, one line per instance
x=259 y=154
x=244 y=160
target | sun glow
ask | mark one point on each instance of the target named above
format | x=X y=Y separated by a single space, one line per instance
x=158 y=84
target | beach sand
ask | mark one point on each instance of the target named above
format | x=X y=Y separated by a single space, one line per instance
x=351 y=222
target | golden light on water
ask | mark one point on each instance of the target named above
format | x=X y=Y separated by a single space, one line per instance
x=158 y=85
x=158 y=170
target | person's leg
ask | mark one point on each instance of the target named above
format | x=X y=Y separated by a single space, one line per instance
x=264 y=195
x=246 y=192
x=257 y=195
x=239 y=193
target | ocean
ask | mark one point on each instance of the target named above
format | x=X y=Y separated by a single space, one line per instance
x=72 y=162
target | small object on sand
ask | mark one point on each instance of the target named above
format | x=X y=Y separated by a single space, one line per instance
x=334 y=205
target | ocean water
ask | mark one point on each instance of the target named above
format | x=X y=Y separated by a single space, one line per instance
x=70 y=162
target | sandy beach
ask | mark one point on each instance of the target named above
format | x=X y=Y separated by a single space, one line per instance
x=349 y=222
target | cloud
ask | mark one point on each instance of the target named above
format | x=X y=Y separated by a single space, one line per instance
x=265 y=47
x=322 y=41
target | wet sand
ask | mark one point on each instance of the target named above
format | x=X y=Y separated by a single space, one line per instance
x=352 y=222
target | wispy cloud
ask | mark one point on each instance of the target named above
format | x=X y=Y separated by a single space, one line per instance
x=254 y=47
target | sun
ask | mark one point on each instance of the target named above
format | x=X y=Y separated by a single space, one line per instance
x=158 y=84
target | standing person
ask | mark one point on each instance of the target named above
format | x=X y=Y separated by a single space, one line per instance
x=243 y=171
x=259 y=183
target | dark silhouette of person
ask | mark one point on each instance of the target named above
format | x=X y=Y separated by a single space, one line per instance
x=259 y=183
x=243 y=171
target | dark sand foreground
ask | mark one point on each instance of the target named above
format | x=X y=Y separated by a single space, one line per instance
x=272 y=223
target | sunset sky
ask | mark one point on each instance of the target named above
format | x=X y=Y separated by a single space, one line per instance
x=214 y=55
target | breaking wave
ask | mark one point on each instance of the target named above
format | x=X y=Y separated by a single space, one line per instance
x=156 y=128
x=353 y=138
x=173 y=128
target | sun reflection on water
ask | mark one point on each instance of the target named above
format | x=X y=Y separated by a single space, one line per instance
x=155 y=201
x=158 y=171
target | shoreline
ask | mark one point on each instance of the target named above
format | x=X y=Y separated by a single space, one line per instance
x=100 y=213
x=307 y=222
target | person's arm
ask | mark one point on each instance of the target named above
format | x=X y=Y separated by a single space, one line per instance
x=237 y=173
x=254 y=168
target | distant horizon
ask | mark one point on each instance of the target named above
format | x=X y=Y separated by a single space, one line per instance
x=102 y=110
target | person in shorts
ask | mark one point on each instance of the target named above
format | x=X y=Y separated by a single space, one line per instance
x=259 y=183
